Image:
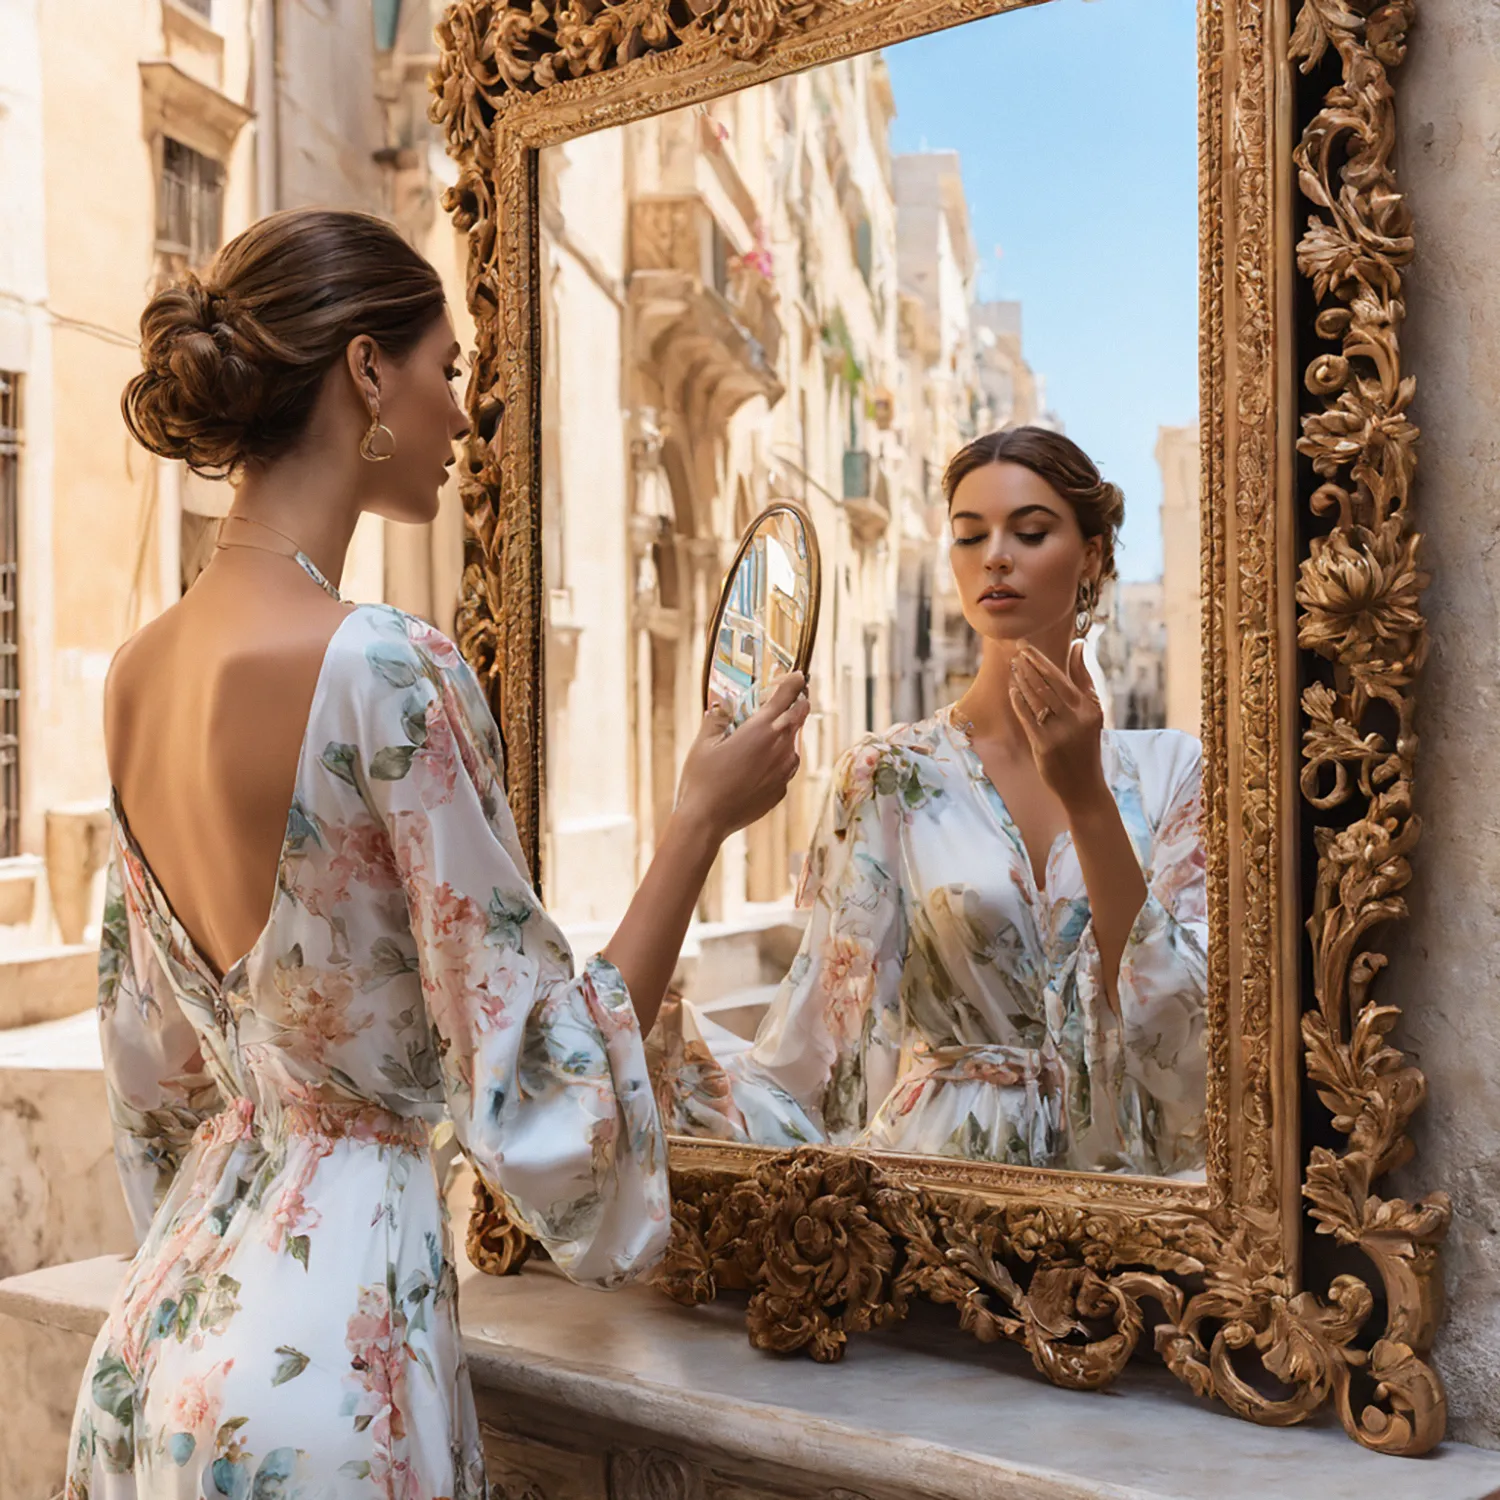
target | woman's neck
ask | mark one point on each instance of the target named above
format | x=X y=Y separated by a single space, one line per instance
x=987 y=706
x=310 y=502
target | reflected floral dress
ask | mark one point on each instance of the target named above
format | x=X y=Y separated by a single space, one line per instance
x=943 y=1002
x=288 y=1329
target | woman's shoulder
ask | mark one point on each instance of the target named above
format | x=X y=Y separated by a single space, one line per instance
x=377 y=633
x=380 y=651
x=384 y=658
x=1168 y=763
x=897 y=742
x=900 y=761
x=1168 y=746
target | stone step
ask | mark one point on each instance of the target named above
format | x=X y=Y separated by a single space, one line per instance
x=47 y=984
x=62 y=1197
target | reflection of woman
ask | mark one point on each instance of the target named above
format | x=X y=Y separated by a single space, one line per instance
x=1005 y=955
x=335 y=940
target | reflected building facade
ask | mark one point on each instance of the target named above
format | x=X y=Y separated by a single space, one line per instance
x=744 y=302
x=1177 y=457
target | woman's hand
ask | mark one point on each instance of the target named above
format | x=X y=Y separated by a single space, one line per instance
x=1060 y=712
x=729 y=780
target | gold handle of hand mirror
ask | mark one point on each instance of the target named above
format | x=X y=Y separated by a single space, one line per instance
x=767 y=616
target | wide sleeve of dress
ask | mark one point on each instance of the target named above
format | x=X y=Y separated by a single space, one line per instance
x=154 y=1078
x=1149 y=1066
x=826 y=1053
x=543 y=1068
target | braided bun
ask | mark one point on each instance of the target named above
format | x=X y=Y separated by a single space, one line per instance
x=233 y=360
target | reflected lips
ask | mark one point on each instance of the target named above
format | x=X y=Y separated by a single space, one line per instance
x=999 y=599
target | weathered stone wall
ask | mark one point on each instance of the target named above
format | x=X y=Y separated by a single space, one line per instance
x=1446 y=960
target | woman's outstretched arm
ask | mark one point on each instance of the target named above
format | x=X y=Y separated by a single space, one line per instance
x=728 y=781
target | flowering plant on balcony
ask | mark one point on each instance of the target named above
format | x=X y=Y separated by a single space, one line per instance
x=758 y=258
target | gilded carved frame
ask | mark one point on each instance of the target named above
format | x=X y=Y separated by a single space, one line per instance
x=1309 y=580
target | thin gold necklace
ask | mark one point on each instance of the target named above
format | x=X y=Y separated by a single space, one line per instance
x=264 y=525
x=960 y=719
x=298 y=556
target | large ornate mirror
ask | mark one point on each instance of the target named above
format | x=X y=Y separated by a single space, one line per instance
x=809 y=257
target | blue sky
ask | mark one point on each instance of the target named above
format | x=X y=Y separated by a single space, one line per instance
x=1077 y=124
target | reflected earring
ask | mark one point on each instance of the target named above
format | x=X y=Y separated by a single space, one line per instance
x=1083 y=608
x=379 y=443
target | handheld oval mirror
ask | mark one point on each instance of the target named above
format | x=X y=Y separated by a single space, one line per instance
x=767 y=617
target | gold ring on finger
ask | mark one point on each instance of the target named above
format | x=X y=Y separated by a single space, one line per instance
x=1043 y=714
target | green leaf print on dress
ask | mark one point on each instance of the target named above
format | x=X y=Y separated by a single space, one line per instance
x=288 y=1329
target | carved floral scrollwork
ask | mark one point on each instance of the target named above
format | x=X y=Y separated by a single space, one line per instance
x=493 y=48
x=828 y=1244
x=1360 y=594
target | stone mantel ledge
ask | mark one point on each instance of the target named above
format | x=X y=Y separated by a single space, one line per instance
x=922 y=1412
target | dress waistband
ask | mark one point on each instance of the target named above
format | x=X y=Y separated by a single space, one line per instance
x=993 y=1063
x=319 y=1119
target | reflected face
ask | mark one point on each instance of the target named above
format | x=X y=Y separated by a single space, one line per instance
x=420 y=403
x=1018 y=553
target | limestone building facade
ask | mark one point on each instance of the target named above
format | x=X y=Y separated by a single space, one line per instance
x=202 y=115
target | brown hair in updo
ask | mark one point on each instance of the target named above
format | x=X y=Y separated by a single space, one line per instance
x=234 y=358
x=1098 y=505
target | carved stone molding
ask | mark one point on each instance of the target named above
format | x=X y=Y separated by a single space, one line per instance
x=653 y=1474
x=1073 y=1267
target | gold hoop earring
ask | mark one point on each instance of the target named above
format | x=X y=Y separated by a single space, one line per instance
x=372 y=447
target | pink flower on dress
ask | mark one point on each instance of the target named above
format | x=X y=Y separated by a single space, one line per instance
x=443 y=652
x=360 y=854
x=435 y=765
x=377 y=1363
x=289 y=1215
x=409 y=846
x=318 y=1002
x=848 y=979
x=863 y=764
x=458 y=714
x=498 y=978
x=196 y=1402
x=454 y=929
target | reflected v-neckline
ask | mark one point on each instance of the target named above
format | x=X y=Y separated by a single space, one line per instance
x=157 y=891
x=998 y=809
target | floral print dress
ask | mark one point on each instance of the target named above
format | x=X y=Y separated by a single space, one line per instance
x=288 y=1329
x=944 y=1003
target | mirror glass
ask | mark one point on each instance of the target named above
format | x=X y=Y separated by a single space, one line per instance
x=767 y=616
x=819 y=291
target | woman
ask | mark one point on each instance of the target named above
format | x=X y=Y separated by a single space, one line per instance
x=289 y=1325
x=1005 y=954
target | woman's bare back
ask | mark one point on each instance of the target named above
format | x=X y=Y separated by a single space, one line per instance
x=205 y=712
